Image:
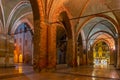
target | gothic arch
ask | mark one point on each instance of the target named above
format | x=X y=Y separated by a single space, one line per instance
x=12 y=13
x=15 y=26
x=107 y=42
x=64 y=19
x=112 y=21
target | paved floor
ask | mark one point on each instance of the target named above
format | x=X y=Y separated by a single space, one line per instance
x=97 y=72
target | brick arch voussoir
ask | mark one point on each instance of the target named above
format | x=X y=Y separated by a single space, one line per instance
x=38 y=9
x=61 y=15
x=16 y=25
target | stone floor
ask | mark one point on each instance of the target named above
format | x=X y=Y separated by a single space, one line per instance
x=96 y=72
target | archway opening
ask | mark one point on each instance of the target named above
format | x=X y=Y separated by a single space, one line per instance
x=23 y=52
x=61 y=45
x=101 y=53
x=99 y=29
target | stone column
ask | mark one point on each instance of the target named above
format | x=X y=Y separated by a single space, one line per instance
x=81 y=54
x=118 y=54
x=90 y=56
x=51 y=46
x=71 y=56
x=77 y=51
x=84 y=57
x=112 y=56
x=40 y=39
x=115 y=52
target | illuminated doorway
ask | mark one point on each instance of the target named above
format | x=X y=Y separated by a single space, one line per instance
x=23 y=44
x=101 y=53
x=20 y=58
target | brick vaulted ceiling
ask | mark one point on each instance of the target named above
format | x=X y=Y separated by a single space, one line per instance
x=77 y=8
x=100 y=17
x=82 y=10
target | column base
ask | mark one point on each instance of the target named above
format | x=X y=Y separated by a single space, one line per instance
x=118 y=67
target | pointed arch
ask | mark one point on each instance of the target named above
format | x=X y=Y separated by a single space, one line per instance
x=21 y=3
x=19 y=22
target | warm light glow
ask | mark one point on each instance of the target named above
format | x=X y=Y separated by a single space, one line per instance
x=20 y=58
x=15 y=44
x=20 y=69
x=113 y=47
x=93 y=73
x=15 y=56
x=78 y=60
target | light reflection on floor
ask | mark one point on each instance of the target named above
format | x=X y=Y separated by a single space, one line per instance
x=20 y=69
x=97 y=72
x=101 y=63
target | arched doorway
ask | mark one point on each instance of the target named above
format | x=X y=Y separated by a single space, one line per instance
x=23 y=52
x=68 y=38
x=61 y=45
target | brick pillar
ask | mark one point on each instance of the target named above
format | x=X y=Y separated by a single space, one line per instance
x=51 y=46
x=40 y=39
x=71 y=56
